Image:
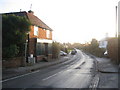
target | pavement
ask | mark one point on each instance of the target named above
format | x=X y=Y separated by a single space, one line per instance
x=108 y=73
x=12 y=72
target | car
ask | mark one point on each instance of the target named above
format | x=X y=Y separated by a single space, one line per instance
x=73 y=52
x=63 y=53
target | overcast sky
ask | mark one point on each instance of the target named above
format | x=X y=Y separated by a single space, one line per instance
x=71 y=20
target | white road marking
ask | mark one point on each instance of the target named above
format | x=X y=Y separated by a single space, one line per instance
x=19 y=76
x=67 y=66
x=51 y=76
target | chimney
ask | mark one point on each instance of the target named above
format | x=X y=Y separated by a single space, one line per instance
x=30 y=12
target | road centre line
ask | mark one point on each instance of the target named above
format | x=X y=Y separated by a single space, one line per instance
x=19 y=76
x=68 y=66
x=57 y=73
x=51 y=76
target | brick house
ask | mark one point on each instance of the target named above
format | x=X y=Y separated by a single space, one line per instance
x=39 y=43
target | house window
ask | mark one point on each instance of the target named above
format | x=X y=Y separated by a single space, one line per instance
x=48 y=33
x=36 y=30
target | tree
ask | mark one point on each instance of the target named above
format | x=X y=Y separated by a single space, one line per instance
x=93 y=48
x=14 y=34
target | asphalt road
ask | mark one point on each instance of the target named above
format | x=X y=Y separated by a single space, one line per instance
x=76 y=74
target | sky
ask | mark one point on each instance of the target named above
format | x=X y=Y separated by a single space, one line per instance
x=71 y=20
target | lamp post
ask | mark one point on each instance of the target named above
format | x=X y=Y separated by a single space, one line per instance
x=116 y=21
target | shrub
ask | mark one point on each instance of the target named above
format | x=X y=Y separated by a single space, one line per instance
x=14 y=29
x=55 y=49
x=10 y=51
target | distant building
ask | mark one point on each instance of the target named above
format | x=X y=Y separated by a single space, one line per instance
x=39 y=38
x=103 y=44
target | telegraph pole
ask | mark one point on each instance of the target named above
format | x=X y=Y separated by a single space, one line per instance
x=116 y=35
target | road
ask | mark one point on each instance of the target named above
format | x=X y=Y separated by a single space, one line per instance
x=76 y=74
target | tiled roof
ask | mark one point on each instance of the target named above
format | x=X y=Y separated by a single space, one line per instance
x=36 y=21
x=33 y=19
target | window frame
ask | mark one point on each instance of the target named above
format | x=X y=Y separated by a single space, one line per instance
x=36 y=31
x=48 y=33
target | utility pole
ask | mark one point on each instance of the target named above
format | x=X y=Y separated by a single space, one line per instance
x=116 y=35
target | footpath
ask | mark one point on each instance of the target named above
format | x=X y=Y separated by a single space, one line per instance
x=12 y=72
x=108 y=73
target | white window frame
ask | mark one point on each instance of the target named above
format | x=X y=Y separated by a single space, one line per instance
x=48 y=33
x=35 y=30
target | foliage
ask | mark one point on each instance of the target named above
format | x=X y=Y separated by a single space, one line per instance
x=93 y=48
x=55 y=49
x=14 y=29
x=11 y=51
x=63 y=47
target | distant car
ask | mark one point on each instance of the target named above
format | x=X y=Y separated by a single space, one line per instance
x=63 y=53
x=73 y=52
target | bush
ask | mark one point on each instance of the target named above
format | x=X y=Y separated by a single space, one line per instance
x=55 y=49
x=14 y=29
x=93 y=48
x=10 y=51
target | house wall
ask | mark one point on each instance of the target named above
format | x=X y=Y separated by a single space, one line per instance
x=41 y=34
x=33 y=42
x=32 y=46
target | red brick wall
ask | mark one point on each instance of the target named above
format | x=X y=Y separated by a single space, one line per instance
x=40 y=57
x=13 y=62
x=50 y=35
x=32 y=46
x=41 y=35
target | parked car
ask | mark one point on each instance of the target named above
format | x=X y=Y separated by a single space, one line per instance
x=63 y=53
x=73 y=52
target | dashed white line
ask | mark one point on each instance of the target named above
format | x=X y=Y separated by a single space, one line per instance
x=51 y=76
x=19 y=76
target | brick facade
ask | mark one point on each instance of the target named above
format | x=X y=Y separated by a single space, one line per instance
x=33 y=41
x=41 y=33
x=32 y=46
